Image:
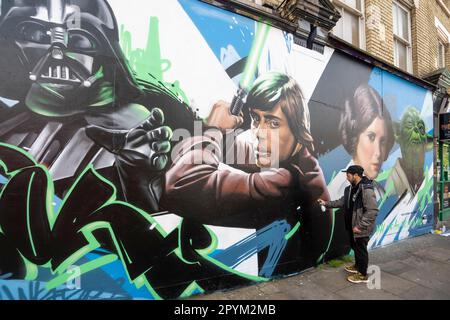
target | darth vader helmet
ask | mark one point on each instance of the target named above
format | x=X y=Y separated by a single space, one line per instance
x=62 y=56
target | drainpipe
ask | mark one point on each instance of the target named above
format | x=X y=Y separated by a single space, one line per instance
x=312 y=35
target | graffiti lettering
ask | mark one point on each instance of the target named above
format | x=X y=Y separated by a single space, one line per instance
x=33 y=233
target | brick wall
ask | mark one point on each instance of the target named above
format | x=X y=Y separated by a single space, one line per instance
x=379 y=39
x=423 y=55
x=424 y=34
x=447 y=55
x=444 y=18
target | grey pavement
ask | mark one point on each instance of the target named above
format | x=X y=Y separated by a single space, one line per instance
x=413 y=269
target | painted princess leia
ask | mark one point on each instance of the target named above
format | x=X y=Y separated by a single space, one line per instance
x=367 y=135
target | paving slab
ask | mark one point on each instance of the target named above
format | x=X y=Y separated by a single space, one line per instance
x=437 y=254
x=248 y=293
x=331 y=279
x=395 y=285
x=277 y=296
x=390 y=253
x=309 y=290
x=422 y=293
x=271 y=287
x=361 y=292
x=291 y=283
x=395 y=267
x=425 y=279
x=212 y=296
x=433 y=268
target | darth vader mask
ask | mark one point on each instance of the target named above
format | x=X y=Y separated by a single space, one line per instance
x=62 y=57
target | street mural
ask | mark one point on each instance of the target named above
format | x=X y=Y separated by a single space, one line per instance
x=181 y=149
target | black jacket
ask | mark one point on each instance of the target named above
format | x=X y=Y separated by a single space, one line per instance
x=365 y=208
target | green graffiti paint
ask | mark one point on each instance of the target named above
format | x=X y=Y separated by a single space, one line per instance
x=31 y=269
x=152 y=53
x=60 y=272
x=333 y=222
x=206 y=251
x=389 y=190
x=395 y=226
x=49 y=187
x=383 y=175
x=30 y=183
x=179 y=254
x=191 y=289
x=425 y=195
x=89 y=266
x=148 y=63
x=213 y=246
x=49 y=200
x=230 y=270
x=293 y=231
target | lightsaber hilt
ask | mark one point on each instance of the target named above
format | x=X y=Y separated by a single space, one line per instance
x=238 y=102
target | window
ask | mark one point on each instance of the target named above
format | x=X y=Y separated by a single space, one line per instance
x=441 y=55
x=443 y=36
x=350 y=26
x=402 y=37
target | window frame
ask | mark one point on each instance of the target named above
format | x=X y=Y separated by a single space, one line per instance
x=406 y=42
x=341 y=6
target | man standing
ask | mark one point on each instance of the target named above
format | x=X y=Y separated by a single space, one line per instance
x=360 y=209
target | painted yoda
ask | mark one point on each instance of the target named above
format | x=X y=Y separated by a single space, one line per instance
x=411 y=134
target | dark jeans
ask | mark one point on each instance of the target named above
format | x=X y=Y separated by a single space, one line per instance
x=351 y=238
x=361 y=255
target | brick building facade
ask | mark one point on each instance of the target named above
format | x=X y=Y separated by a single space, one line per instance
x=426 y=34
x=429 y=27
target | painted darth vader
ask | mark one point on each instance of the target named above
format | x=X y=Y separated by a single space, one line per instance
x=70 y=99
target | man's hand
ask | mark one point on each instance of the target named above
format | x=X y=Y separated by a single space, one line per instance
x=321 y=202
x=356 y=230
x=221 y=117
x=145 y=146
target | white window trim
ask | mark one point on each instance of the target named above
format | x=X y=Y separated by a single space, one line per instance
x=444 y=7
x=407 y=42
x=442 y=30
x=362 y=17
